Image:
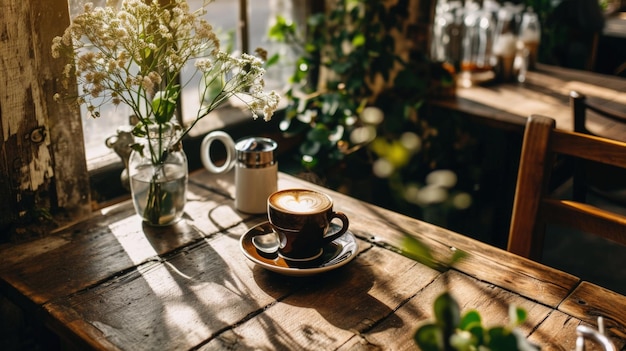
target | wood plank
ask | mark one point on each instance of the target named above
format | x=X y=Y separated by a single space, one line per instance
x=483 y=114
x=113 y=242
x=331 y=308
x=41 y=169
x=589 y=301
x=558 y=332
x=189 y=286
x=171 y=304
x=200 y=292
x=545 y=91
x=530 y=279
x=396 y=332
x=384 y=227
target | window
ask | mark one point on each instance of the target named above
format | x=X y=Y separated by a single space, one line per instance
x=224 y=16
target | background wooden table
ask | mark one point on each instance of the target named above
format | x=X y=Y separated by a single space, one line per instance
x=113 y=283
x=545 y=91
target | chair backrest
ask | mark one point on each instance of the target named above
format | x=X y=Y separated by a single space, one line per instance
x=580 y=105
x=533 y=208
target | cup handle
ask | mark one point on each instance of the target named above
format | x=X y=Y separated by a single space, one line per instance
x=344 y=227
x=205 y=149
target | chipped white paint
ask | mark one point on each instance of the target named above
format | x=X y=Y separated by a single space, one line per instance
x=22 y=102
x=14 y=65
x=51 y=169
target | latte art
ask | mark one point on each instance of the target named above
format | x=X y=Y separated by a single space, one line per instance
x=300 y=201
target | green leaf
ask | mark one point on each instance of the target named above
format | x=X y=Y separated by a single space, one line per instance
x=457 y=255
x=470 y=318
x=319 y=134
x=309 y=162
x=281 y=30
x=478 y=332
x=417 y=250
x=139 y=130
x=137 y=147
x=447 y=312
x=272 y=60
x=310 y=148
x=316 y=20
x=164 y=104
x=501 y=339
x=517 y=315
x=429 y=338
x=358 y=40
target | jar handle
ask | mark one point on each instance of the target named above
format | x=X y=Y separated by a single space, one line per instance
x=205 y=154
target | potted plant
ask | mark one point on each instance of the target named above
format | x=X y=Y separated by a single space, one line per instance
x=357 y=97
x=133 y=54
x=452 y=331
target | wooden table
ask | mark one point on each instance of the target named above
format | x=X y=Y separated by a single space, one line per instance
x=615 y=25
x=545 y=91
x=113 y=283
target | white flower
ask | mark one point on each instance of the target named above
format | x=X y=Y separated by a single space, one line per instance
x=131 y=53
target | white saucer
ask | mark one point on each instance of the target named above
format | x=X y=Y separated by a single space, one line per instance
x=335 y=254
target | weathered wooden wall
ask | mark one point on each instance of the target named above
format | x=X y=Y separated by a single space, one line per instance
x=42 y=157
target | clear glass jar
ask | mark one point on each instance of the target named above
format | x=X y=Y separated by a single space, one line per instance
x=505 y=43
x=158 y=174
x=530 y=36
x=477 y=41
x=447 y=33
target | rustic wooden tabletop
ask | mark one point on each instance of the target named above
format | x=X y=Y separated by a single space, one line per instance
x=112 y=283
x=546 y=92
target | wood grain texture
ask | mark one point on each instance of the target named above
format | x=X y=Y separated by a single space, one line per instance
x=331 y=309
x=491 y=301
x=545 y=91
x=558 y=333
x=111 y=283
x=590 y=301
x=91 y=252
x=42 y=169
x=386 y=228
x=27 y=165
x=534 y=206
x=532 y=181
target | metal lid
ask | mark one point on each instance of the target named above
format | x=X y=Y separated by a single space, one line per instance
x=255 y=152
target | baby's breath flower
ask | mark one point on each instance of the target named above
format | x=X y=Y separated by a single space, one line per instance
x=154 y=77
x=112 y=65
x=203 y=65
x=132 y=52
x=147 y=83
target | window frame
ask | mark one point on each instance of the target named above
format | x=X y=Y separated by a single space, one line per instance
x=105 y=172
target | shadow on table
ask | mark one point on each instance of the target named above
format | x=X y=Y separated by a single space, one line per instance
x=326 y=294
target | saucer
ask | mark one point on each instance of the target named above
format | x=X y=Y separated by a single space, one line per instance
x=334 y=255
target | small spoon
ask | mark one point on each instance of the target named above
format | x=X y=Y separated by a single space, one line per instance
x=266 y=243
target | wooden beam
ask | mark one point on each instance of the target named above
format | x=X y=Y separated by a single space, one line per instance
x=42 y=157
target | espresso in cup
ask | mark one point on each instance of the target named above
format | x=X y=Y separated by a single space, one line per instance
x=302 y=218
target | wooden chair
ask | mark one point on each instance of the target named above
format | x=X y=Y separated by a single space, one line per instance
x=591 y=175
x=533 y=208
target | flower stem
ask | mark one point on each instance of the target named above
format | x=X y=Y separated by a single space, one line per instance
x=152 y=211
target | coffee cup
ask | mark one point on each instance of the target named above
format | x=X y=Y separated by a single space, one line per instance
x=302 y=220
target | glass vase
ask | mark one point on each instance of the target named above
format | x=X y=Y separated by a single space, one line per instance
x=158 y=175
